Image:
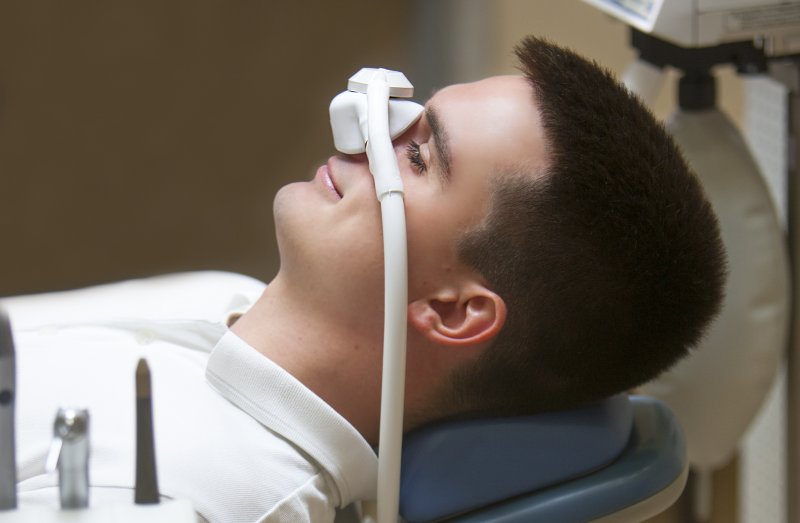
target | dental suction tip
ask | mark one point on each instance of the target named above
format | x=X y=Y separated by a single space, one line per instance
x=142 y=379
x=146 y=489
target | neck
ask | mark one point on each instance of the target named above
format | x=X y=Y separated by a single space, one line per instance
x=338 y=361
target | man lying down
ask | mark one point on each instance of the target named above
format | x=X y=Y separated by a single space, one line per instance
x=559 y=251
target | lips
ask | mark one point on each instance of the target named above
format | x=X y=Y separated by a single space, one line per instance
x=328 y=180
x=325 y=179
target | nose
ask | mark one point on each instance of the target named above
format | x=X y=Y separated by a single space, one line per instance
x=400 y=144
x=360 y=161
x=354 y=158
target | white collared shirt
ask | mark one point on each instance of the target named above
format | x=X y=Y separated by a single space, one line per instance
x=235 y=434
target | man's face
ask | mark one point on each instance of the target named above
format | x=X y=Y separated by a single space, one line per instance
x=329 y=229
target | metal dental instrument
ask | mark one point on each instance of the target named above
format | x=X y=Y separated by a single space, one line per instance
x=8 y=465
x=146 y=479
x=70 y=453
x=369 y=123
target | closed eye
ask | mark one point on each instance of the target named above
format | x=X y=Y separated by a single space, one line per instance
x=414 y=156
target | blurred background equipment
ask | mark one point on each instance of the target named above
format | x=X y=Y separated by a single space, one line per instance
x=718 y=391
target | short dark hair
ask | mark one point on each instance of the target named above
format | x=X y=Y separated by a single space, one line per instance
x=610 y=262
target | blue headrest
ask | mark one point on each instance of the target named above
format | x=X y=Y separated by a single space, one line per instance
x=454 y=467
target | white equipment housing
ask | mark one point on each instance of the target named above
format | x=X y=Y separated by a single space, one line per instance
x=700 y=23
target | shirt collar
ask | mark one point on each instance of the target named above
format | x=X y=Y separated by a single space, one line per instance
x=276 y=399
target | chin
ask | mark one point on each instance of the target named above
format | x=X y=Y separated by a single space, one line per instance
x=294 y=205
x=286 y=198
x=290 y=214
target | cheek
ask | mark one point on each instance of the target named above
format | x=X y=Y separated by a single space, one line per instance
x=353 y=264
x=431 y=249
x=434 y=226
x=357 y=242
x=349 y=237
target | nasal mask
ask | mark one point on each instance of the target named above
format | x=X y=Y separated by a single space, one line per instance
x=353 y=119
x=366 y=118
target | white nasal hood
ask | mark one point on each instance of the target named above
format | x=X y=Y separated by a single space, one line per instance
x=349 y=113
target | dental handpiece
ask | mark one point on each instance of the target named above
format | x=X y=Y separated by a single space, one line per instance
x=8 y=465
x=70 y=451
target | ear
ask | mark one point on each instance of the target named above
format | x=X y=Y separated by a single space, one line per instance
x=471 y=315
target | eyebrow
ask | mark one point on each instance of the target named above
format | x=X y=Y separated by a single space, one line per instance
x=440 y=142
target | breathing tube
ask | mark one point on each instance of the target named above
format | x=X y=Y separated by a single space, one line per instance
x=366 y=118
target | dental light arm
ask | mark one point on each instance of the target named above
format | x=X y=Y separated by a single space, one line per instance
x=368 y=123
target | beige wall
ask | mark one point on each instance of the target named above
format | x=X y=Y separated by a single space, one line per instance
x=139 y=137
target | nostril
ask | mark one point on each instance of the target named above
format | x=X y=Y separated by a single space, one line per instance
x=355 y=158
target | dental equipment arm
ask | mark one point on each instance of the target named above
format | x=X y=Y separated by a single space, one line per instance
x=8 y=464
x=349 y=115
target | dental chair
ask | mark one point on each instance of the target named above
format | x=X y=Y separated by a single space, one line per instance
x=620 y=460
